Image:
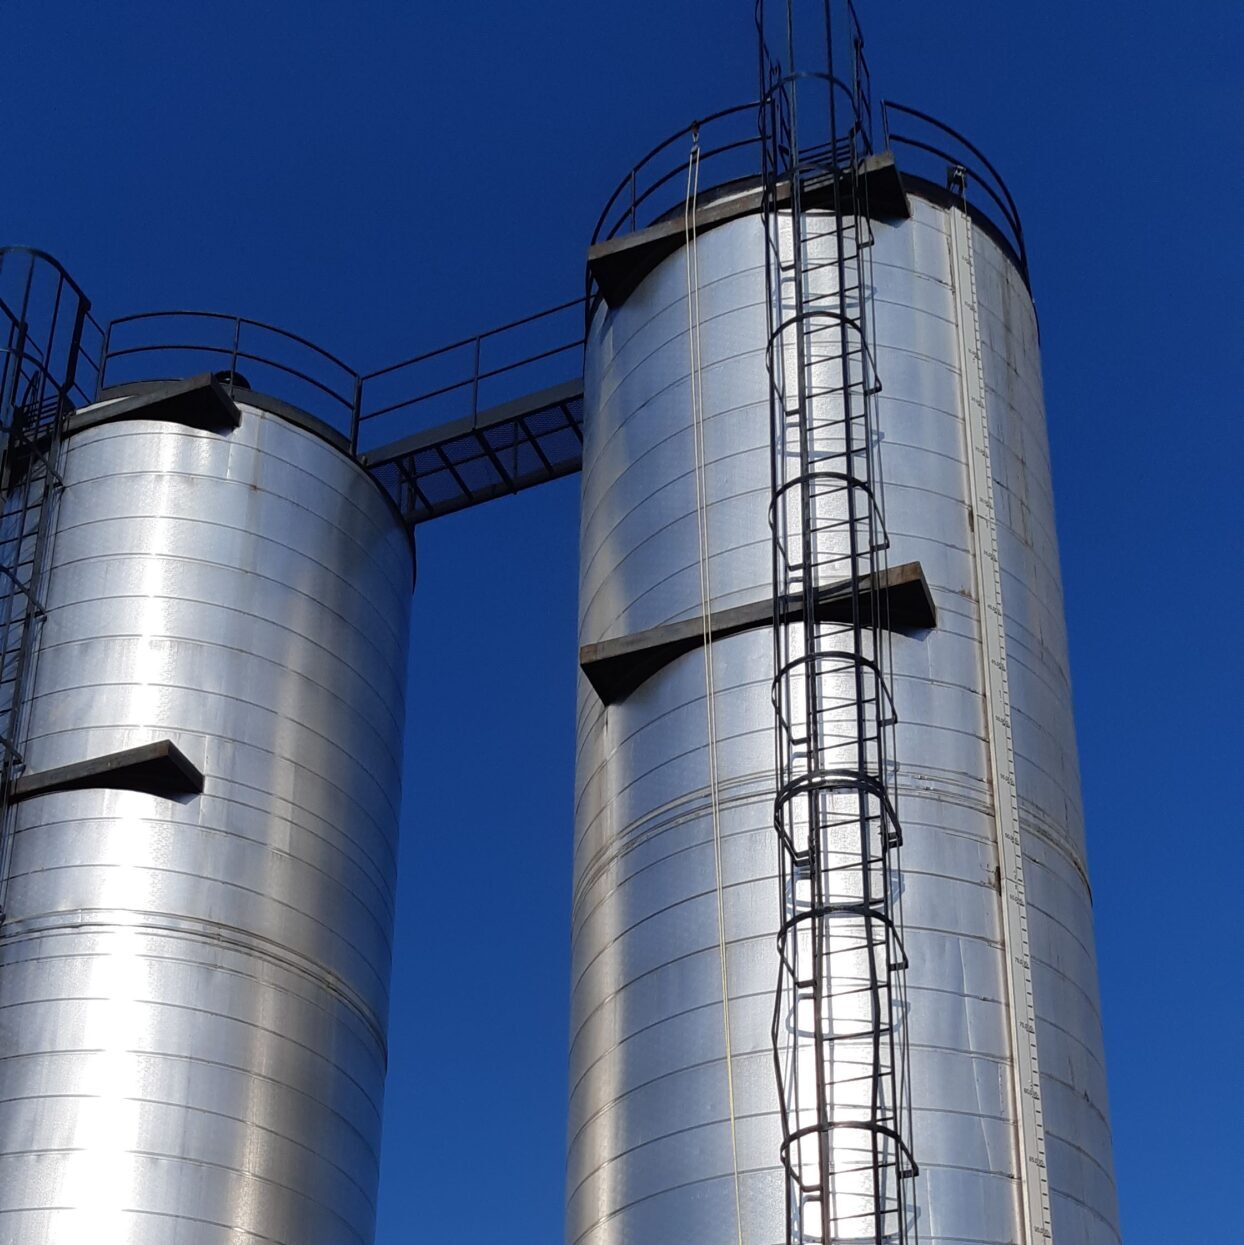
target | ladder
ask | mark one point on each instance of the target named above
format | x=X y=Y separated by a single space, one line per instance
x=838 y=1036
x=42 y=313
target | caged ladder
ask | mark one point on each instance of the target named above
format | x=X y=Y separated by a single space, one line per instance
x=838 y=1022
x=42 y=316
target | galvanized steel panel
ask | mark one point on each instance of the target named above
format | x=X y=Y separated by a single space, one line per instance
x=194 y=991
x=648 y=1151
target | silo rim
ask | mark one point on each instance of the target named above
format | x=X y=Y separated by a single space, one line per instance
x=260 y=401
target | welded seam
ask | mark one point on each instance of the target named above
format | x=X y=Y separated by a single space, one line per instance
x=706 y=609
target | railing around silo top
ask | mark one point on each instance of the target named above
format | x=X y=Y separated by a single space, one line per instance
x=244 y=354
x=656 y=185
x=655 y=188
x=932 y=150
x=487 y=415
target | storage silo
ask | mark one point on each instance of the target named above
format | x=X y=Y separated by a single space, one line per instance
x=204 y=620
x=200 y=879
x=675 y=1130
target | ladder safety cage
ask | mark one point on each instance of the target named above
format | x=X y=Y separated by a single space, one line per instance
x=44 y=316
x=839 y=1038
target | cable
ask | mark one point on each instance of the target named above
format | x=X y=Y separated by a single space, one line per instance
x=701 y=505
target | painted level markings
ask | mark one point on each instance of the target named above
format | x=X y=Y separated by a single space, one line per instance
x=1026 y=1083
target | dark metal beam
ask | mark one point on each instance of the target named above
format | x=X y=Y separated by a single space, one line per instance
x=615 y=668
x=158 y=768
x=619 y=264
x=198 y=402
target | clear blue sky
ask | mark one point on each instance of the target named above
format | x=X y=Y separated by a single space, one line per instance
x=387 y=176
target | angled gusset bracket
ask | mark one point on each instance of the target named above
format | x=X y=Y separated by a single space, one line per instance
x=615 y=668
x=159 y=768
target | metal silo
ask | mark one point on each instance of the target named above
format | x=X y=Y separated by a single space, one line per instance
x=194 y=962
x=204 y=620
x=676 y=1129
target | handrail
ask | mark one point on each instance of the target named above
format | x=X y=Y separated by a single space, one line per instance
x=629 y=219
x=351 y=395
x=247 y=341
x=480 y=369
x=466 y=341
x=976 y=166
x=86 y=390
x=927 y=137
x=241 y=320
x=239 y=323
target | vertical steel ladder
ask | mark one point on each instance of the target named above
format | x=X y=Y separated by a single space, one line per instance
x=42 y=315
x=838 y=1019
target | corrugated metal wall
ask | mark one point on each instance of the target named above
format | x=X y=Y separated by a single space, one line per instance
x=649 y=1138
x=193 y=991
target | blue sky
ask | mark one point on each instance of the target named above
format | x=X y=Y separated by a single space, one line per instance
x=383 y=177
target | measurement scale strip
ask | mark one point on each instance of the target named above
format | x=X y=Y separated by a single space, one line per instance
x=1026 y=1085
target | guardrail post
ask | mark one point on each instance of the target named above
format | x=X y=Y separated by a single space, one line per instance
x=75 y=345
x=356 y=413
x=233 y=358
x=103 y=360
x=475 y=381
x=8 y=403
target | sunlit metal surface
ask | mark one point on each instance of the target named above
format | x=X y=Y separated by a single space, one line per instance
x=194 y=991
x=649 y=1140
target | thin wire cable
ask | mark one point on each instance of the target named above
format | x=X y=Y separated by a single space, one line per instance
x=701 y=506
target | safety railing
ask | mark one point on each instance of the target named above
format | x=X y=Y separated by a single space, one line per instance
x=942 y=155
x=244 y=353
x=470 y=376
x=368 y=409
x=85 y=386
x=656 y=185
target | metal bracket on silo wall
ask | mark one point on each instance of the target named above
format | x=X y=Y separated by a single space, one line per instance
x=158 y=768
x=199 y=402
x=616 y=668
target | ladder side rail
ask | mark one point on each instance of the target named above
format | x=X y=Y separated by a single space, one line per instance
x=38 y=377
